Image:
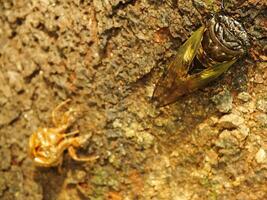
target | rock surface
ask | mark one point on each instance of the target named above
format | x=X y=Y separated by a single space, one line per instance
x=107 y=57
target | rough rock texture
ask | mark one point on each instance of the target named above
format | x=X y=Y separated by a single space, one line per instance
x=107 y=57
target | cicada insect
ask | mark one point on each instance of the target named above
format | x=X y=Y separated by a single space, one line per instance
x=216 y=46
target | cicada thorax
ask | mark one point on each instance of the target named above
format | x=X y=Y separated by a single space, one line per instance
x=224 y=40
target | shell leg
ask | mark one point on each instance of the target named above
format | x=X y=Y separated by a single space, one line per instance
x=74 y=156
x=71 y=133
x=56 y=110
x=59 y=167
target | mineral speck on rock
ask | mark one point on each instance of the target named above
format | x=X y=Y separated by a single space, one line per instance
x=5 y=156
x=8 y=113
x=3 y=186
x=262 y=119
x=15 y=80
x=227 y=140
x=262 y=104
x=230 y=121
x=261 y=156
x=223 y=101
x=244 y=96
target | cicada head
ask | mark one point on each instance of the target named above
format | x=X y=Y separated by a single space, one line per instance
x=231 y=33
x=224 y=40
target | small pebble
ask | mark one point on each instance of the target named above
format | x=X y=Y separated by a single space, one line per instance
x=261 y=156
x=230 y=121
x=262 y=105
x=262 y=119
x=244 y=96
x=223 y=101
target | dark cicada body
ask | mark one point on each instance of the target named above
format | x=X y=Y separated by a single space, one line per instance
x=217 y=46
x=224 y=40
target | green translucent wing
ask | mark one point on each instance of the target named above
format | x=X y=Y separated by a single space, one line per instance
x=201 y=79
x=186 y=53
x=193 y=82
x=179 y=66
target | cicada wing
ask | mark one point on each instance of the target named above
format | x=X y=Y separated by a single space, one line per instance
x=179 y=66
x=193 y=82
x=203 y=78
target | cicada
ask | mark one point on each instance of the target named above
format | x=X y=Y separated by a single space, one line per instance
x=216 y=46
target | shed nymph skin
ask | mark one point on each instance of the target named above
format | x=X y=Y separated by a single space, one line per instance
x=46 y=145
